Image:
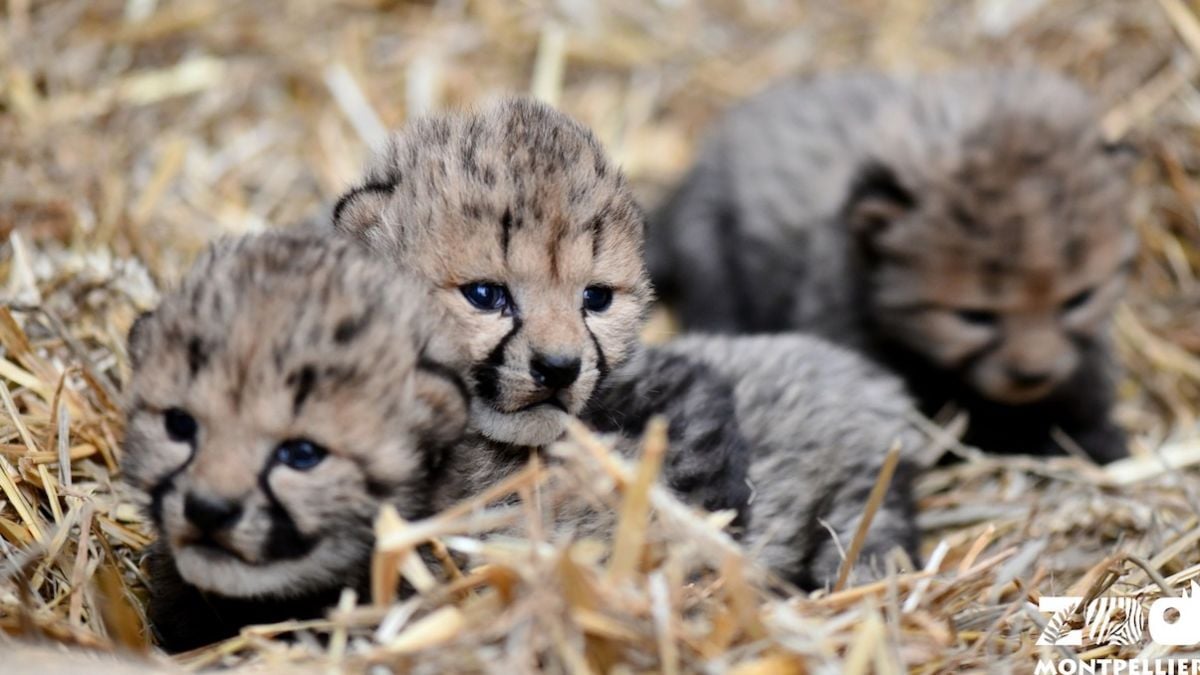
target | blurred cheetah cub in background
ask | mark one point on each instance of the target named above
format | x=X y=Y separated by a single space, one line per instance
x=280 y=395
x=531 y=238
x=966 y=230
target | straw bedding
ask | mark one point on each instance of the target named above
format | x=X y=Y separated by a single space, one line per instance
x=133 y=132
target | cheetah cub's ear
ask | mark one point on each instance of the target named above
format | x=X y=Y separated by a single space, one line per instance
x=360 y=212
x=877 y=200
x=138 y=339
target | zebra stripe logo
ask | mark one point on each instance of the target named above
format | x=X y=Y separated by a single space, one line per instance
x=1114 y=621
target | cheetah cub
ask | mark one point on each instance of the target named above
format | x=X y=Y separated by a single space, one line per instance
x=966 y=230
x=531 y=241
x=818 y=421
x=280 y=395
x=531 y=238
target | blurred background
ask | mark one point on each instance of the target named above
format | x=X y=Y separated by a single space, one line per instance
x=144 y=128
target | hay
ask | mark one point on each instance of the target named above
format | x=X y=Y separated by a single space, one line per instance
x=134 y=132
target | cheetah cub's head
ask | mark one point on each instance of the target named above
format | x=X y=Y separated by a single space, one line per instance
x=996 y=246
x=531 y=240
x=285 y=390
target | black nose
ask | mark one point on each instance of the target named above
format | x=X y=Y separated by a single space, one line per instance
x=1027 y=379
x=210 y=514
x=554 y=372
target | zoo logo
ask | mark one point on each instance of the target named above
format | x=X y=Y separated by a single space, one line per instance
x=1121 y=621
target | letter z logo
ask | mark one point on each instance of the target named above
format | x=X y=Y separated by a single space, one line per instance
x=1107 y=620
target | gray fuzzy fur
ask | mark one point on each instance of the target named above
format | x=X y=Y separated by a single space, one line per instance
x=819 y=421
x=878 y=211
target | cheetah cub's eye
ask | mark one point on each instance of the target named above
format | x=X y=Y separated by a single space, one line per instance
x=300 y=454
x=977 y=317
x=181 y=427
x=1076 y=301
x=597 y=298
x=486 y=296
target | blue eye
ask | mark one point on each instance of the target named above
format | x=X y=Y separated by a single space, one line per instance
x=597 y=298
x=486 y=296
x=1078 y=300
x=181 y=427
x=300 y=454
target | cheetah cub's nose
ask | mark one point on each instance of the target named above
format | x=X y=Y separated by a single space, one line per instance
x=210 y=515
x=554 y=371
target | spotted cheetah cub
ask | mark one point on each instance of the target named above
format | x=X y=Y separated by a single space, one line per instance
x=531 y=241
x=530 y=237
x=283 y=392
x=966 y=230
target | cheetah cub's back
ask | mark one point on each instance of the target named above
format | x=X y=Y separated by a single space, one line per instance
x=280 y=395
x=965 y=229
x=819 y=421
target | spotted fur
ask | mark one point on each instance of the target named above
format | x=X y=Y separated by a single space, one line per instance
x=965 y=229
x=522 y=196
x=818 y=421
x=268 y=340
x=709 y=455
x=543 y=213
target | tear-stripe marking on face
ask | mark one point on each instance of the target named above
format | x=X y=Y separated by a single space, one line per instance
x=486 y=377
x=601 y=360
x=160 y=489
x=284 y=539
